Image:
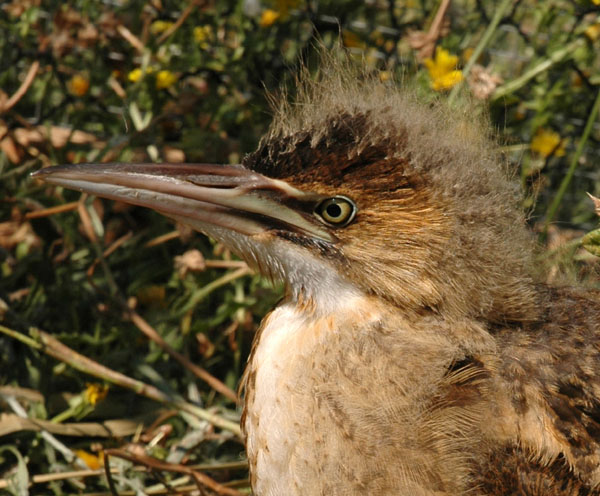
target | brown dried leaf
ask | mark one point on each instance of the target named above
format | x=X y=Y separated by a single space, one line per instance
x=14 y=153
x=11 y=423
x=482 y=82
x=191 y=260
x=173 y=155
x=88 y=35
x=205 y=346
x=107 y=25
x=19 y=294
x=58 y=136
x=16 y=8
x=422 y=43
x=17 y=230
x=596 y=204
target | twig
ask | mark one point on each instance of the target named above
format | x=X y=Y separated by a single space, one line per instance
x=46 y=212
x=11 y=423
x=573 y=165
x=109 y=251
x=86 y=221
x=225 y=264
x=108 y=473
x=29 y=78
x=522 y=80
x=151 y=492
x=199 y=372
x=133 y=40
x=189 y=9
x=16 y=171
x=117 y=88
x=156 y=464
x=162 y=239
x=202 y=293
x=49 y=438
x=73 y=474
x=487 y=36
x=424 y=43
x=117 y=244
x=32 y=343
x=154 y=336
x=212 y=467
x=436 y=25
x=51 y=346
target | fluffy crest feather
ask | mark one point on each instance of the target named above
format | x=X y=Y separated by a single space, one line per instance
x=347 y=130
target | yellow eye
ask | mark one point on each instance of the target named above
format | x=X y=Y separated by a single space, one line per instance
x=337 y=211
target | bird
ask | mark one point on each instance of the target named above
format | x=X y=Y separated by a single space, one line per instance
x=417 y=349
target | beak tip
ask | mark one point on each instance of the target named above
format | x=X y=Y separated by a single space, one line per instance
x=45 y=172
x=39 y=175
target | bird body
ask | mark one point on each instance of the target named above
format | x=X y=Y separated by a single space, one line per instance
x=415 y=352
x=344 y=414
x=359 y=399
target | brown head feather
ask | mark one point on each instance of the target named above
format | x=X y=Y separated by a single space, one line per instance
x=439 y=225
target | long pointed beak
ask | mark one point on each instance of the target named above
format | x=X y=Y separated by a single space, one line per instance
x=201 y=195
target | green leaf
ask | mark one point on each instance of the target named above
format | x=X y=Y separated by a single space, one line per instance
x=18 y=483
x=591 y=242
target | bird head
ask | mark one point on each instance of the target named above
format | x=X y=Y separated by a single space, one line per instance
x=358 y=187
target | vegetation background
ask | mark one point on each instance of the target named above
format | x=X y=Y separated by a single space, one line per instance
x=122 y=335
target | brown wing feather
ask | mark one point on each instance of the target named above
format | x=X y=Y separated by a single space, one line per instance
x=548 y=385
x=511 y=471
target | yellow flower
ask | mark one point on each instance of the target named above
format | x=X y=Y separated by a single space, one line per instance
x=135 y=75
x=389 y=46
x=596 y=2
x=385 y=76
x=158 y=27
x=351 y=40
x=546 y=143
x=593 y=31
x=442 y=70
x=268 y=17
x=165 y=79
x=95 y=393
x=202 y=34
x=92 y=461
x=79 y=85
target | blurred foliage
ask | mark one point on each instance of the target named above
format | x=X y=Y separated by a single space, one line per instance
x=150 y=80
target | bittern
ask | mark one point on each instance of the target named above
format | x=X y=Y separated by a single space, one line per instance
x=415 y=351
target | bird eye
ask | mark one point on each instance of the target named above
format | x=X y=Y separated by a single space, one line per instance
x=337 y=211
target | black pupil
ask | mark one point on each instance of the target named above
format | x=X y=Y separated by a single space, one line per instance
x=334 y=210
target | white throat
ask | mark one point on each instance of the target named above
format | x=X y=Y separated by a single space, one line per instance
x=307 y=277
